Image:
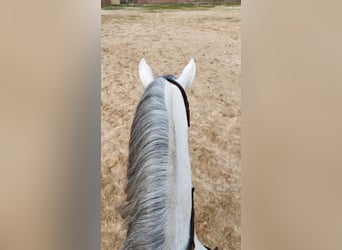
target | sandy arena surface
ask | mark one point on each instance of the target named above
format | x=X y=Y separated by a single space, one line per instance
x=167 y=40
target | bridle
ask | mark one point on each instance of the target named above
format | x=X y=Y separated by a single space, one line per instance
x=171 y=79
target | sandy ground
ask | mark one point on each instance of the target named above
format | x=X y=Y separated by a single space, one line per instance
x=167 y=40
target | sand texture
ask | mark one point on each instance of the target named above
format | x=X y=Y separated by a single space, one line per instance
x=167 y=40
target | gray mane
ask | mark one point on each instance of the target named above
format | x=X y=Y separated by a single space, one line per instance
x=145 y=208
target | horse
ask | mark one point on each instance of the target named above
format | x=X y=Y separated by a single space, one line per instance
x=159 y=209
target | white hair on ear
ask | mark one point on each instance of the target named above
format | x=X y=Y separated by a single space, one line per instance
x=188 y=74
x=145 y=73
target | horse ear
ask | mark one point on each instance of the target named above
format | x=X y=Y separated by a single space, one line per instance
x=188 y=74
x=145 y=73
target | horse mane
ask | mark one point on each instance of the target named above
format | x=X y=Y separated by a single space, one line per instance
x=145 y=209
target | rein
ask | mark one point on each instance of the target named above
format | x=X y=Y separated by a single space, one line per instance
x=171 y=79
x=191 y=245
x=192 y=223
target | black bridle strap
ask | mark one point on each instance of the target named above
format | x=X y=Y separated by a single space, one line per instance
x=191 y=245
x=186 y=103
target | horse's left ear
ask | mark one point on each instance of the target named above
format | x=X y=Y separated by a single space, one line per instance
x=188 y=75
x=145 y=73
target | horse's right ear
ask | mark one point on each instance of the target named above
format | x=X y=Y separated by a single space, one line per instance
x=188 y=75
x=145 y=73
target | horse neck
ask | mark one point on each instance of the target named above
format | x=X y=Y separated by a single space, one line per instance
x=179 y=172
x=179 y=189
